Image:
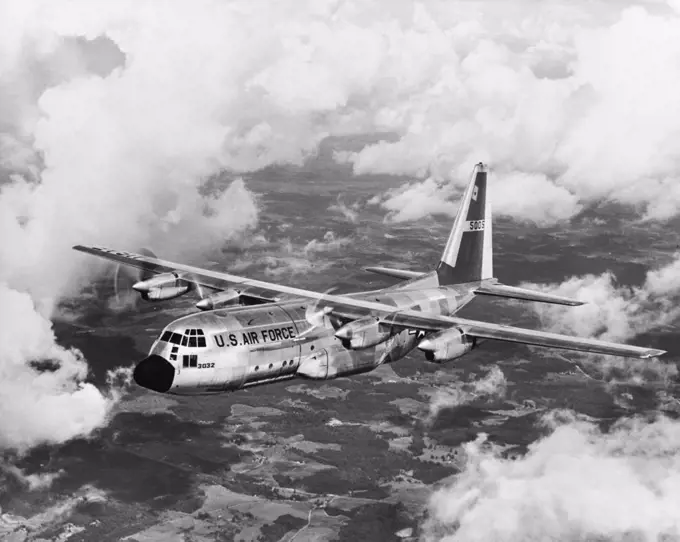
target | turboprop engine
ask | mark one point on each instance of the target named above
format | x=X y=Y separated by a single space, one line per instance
x=447 y=345
x=162 y=287
x=364 y=333
x=223 y=299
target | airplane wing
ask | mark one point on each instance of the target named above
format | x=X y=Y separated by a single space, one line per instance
x=523 y=294
x=354 y=308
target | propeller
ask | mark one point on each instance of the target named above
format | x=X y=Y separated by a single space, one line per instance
x=196 y=286
x=124 y=277
x=320 y=317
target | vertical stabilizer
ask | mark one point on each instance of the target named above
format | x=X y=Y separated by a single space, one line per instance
x=468 y=256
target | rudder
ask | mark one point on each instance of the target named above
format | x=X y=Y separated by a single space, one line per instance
x=468 y=256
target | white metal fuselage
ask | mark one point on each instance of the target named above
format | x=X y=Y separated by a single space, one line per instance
x=239 y=347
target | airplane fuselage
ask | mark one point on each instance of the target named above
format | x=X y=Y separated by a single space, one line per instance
x=228 y=349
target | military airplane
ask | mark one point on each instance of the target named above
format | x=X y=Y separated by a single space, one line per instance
x=251 y=332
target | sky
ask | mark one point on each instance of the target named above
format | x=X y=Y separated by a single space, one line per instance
x=119 y=119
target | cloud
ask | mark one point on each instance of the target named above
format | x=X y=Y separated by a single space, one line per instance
x=577 y=483
x=545 y=95
x=617 y=313
x=614 y=312
x=286 y=257
x=493 y=384
x=416 y=200
x=526 y=196
x=98 y=144
x=22 y=528
x=349 y=211
x=45 y=406
x=34 y=481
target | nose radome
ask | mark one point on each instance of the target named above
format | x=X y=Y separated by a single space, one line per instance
x=154 y=373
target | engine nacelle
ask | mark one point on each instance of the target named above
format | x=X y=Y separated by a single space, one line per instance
x=447 y=345
x=333 y=362
x=364 y=333
x=165 y=292
x=162 y=287
x=226 y=298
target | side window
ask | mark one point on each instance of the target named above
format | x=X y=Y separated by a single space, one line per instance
x=166 y=336
x=193 y=361
x=176 y=338
x=185 y=361
x=185 y=340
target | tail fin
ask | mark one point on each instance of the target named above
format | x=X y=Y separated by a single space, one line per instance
x=468 y=256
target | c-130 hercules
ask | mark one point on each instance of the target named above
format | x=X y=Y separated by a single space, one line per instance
x=253 y=332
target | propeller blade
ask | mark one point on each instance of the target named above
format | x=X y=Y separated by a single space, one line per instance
x=318 y=318
x=124 y=277
x=196 y=286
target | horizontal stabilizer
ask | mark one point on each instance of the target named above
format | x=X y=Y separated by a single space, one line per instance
x=395 y=273
x=513 y=292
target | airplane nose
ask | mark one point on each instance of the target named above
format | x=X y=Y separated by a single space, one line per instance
x=154 y=373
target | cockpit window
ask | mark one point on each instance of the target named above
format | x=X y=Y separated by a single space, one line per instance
x=170 y=337
x=192 y=338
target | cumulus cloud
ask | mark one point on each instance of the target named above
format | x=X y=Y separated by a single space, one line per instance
x=416 y=200
x=526 y=196
x=613 y=312
x=491 y=385
x=577 y=483
x=14 y=527
x=617 y=312
x=48 y=406
x=568 y=105
x=349 y=211
x=97 y=144
x=35 y=481
x=287 y=257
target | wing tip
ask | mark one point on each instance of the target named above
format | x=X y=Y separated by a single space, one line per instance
x=653 y=353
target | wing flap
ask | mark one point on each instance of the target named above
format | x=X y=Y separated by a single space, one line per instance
x=524 y=294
